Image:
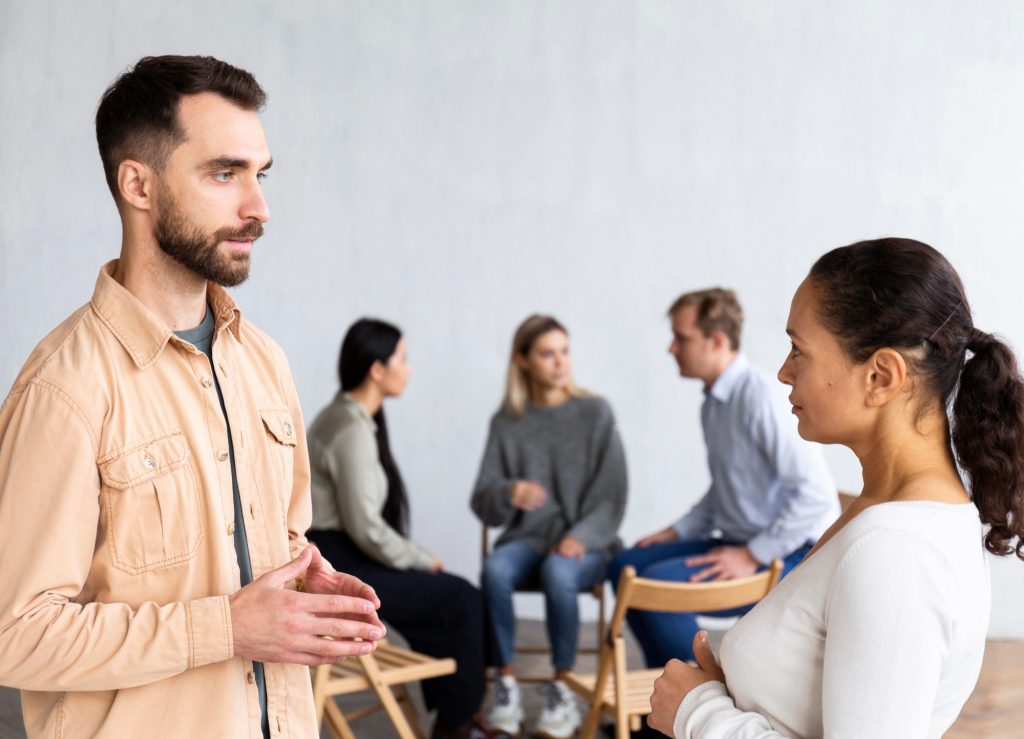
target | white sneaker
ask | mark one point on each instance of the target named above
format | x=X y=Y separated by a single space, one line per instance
x=560 y=717
x=506 y=711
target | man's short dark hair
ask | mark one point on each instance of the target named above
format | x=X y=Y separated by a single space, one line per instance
x=138 y=114
x=718 y=309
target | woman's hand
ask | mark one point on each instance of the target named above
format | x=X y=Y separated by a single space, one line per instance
x=527 y=495
x=679 y=679
x=570 y=548
x=437 y=565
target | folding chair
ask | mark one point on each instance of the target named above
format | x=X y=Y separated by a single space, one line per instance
x=597 y=591
x=626 y=695
x=380 y=671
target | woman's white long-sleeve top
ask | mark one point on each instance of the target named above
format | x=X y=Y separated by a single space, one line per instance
x=878 y=635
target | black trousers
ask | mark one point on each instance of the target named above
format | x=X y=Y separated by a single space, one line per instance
x=438 y=614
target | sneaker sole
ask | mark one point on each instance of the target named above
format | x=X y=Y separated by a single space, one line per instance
x=542 y=734
x=516 y=732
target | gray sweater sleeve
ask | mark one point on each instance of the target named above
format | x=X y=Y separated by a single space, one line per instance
x=351 y=462
x=491 y=501
x=603 y=503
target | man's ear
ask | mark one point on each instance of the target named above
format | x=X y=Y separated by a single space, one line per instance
x=720 y=340
x=886 y=377
x=136 y=183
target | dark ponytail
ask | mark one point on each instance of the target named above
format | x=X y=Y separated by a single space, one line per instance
x=987 y=420
x=903 y=294
x=368 y=341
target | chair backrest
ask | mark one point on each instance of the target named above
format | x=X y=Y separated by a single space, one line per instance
x=644 y=594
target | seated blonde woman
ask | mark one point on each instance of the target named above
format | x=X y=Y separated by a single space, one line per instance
x=554 y=476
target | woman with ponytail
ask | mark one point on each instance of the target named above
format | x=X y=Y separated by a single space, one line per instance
x=361 y=524
x=880 y=631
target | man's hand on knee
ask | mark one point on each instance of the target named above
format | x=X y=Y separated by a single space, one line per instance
x=658 y=537
x=271 y=624
x=724 y=563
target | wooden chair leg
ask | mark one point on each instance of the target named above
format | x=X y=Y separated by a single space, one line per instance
x=405 y=700
x=621 y=727
x=337 y=726
x=386 y=697
x=321 y=675
x=621 y=688
x=589 y=730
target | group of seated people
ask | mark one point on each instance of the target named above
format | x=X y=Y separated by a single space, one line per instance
x=553 y=476
x=154 y=575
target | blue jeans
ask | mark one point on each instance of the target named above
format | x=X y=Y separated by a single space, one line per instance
x=666 y=636
x=517 y=564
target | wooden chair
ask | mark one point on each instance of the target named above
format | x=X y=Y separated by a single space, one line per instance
x=597 y=591
x=380 y=671
x=626 y=695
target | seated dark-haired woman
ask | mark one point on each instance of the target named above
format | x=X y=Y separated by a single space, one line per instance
x=360 y=523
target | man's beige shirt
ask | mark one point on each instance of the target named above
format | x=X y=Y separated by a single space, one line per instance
x=116 y=522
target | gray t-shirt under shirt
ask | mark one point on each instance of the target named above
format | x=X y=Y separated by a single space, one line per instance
x=201 y=337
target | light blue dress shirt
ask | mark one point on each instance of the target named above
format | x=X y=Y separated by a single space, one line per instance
x=769 y=488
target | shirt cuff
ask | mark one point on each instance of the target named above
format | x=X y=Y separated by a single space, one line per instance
x=423 y=560
x=691 y=701
x=682 y=529
x=208 y=622
x=764 y=549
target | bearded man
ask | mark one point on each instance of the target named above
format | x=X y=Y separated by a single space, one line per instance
x=154 y=479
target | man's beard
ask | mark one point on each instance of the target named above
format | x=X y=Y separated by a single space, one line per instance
x=186 y=244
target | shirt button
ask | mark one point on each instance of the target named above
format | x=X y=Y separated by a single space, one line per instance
x=287 y=428
x=207 y=382
x=149 y=462
x=231 y=528
x=222 y=454
x=251 y=676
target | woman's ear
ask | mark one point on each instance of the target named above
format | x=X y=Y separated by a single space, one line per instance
x=886 y=377
x=521 y=362
x=377 y=371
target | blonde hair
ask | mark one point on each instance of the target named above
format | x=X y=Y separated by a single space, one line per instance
x=517 y=385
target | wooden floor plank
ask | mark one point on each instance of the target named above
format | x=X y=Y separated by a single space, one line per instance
x=996 y=707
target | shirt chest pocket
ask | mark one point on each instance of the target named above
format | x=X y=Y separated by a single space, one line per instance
x=151 y=504
x=280 y=448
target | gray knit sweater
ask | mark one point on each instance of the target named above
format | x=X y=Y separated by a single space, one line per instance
x=574 y=451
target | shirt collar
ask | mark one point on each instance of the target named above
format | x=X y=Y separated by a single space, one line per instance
x=358 y=408
x=142 y=334
x=722 y=388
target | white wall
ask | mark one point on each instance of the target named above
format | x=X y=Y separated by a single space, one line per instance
x=452 y=166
